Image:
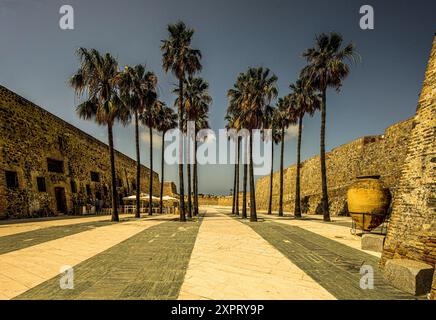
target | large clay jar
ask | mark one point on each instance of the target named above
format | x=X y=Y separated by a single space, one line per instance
x=368 y=202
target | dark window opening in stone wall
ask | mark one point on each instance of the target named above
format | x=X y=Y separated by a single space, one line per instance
x=55 y=166
x=95 y=176
x=73 y=186
x=134 y=185
x=88 y=190
x=105 y=190
x=40 y=181
x=11 y=179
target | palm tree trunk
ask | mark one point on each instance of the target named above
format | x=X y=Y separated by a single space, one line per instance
x=162 y=174
x=150 y=189
x=297 y=211
x=325 y=197
x=181 y=186
x=282 y=149
x=189 y=187
x=195 y=178
x=271 y=177
x=244 y=183
x=138 y=168
x=237 y=179
x=234 y=187
x=113 y=175
x=253 y=215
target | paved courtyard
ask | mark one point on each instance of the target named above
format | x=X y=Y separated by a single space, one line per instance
x=214 y=256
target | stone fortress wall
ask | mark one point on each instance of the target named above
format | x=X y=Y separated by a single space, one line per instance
x=370 y=155
x=412 y=230
x=29 y=137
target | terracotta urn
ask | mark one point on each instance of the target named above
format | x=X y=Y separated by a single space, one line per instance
x=368 y=202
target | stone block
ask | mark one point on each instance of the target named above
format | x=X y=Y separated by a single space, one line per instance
x=373 y=242
x=411 y=276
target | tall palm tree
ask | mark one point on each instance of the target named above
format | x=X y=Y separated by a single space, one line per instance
x=182 y=60
x=150 y=118
x=284 y=118
x=196 y=102
x=253 y=92
x=96 y=77
x=166 y=120
x=306 y=100
x=138 y=89
x=327 y=68
x=271 y=123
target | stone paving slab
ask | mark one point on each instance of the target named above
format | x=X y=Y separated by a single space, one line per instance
x=231 y=261
x=24 y=269
x=333 y=265
x=23 y=240
x=10 y=227
x=333 y=231
x=149 y=265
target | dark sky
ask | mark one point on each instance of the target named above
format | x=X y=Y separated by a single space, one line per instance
x=37 y=58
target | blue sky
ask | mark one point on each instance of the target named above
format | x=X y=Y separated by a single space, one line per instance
x=37 y=58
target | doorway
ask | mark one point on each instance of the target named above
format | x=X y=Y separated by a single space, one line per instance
x=61 y=202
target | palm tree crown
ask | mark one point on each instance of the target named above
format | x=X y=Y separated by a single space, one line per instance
x=326 y=61
x=97 y=78
x=178 y=56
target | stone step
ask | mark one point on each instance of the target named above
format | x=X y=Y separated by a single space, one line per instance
x=409 y=275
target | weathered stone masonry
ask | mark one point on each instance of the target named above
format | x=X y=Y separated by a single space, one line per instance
x=371 y=155
x=412 y=230
x=29 y=137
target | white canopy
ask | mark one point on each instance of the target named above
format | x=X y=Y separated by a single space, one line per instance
x=169 y=198
x=143 y=197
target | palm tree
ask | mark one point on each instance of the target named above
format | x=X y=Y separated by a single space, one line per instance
x=150 y=119
x=196 y=102
x=253 y=92
x=138 y=88
x=96 y=77
x=285 y=116
x=182 y=60
x=327 y=68
x=306 y=100
x=271 y=123
x=166 y=120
